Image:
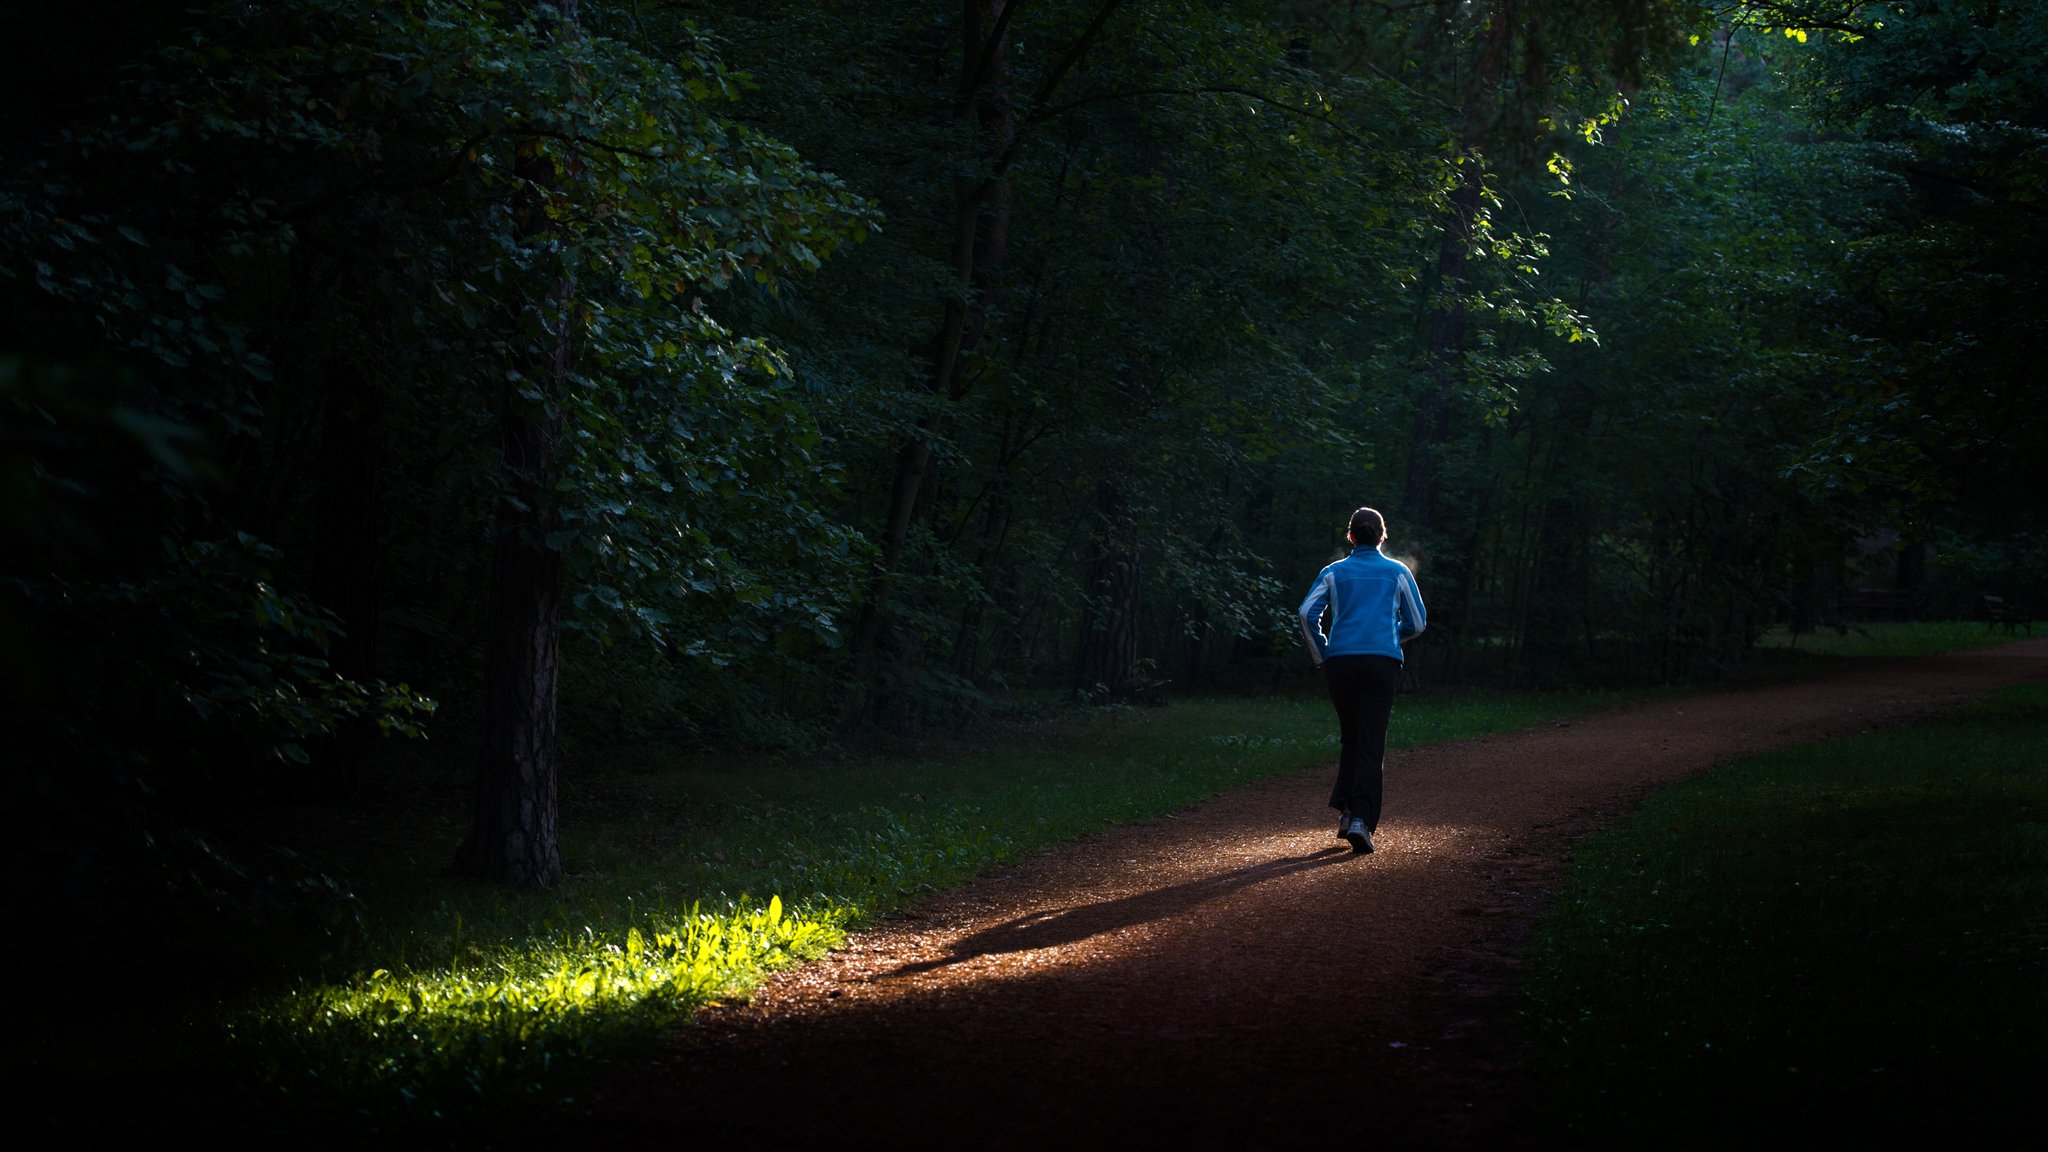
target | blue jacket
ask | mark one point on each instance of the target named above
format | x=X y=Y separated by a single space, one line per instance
x=1373 y=604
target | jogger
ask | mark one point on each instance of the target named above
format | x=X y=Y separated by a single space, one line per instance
x=1375 y=607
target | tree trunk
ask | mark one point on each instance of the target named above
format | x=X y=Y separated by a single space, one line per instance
x=512 y=838
x=975 y=252
x=1108 y=667
x=995 y=529
x=980 y=236
x=1445 y=357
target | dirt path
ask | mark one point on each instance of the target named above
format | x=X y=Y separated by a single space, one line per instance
x=1232 y=976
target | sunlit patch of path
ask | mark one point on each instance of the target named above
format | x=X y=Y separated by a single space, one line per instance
x=1232 y=975
x=1046 y=932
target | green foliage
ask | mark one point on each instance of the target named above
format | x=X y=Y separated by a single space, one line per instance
x=430 y=1043
x=148 y=661
x=1947 y=99
x=1626 y=512
x=1206 y=279
x=1212 y=242
x=348 y=204
x=226 y=645
x=1848 y=938
x=423 y=124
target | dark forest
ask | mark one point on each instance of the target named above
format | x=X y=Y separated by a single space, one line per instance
x=408 y=407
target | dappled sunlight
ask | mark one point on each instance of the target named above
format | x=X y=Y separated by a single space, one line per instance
x=1398 y=843
x=1076 y=934
x=1416 y=843
x=1054 y=928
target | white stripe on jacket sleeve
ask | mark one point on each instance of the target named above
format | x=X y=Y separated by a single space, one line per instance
x=1311 y=613
x=1411 y=605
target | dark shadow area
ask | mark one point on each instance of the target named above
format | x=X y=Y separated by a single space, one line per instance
x=1068 y=925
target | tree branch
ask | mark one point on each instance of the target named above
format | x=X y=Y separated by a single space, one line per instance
x=1409 y=88
x=1075 y=51
x=1046 y=85
x=971 y=81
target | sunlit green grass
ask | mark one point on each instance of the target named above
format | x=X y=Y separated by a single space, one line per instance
x=691 y=880
x=435 y=1042
x=1842 y=941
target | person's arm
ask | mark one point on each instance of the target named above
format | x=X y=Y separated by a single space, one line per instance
x=1408 y=613
x=1311 y=613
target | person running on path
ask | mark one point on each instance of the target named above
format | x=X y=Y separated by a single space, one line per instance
x=1375 y=607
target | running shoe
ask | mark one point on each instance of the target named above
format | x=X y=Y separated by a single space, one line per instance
x=1360 y=837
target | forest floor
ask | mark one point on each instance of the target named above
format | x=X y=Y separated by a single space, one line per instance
x=1232 y=975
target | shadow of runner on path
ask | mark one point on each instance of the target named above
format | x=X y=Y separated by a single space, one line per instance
x=1058 y=926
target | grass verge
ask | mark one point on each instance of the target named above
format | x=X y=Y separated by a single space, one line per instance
x=1842 y=940
x=691 y=880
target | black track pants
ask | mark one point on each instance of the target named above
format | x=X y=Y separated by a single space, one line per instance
x=1362 y=688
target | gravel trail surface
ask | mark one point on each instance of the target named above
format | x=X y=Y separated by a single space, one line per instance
x=1232 y=976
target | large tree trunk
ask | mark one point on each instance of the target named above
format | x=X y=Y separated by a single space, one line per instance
x=1108 y=667
x=512 y=838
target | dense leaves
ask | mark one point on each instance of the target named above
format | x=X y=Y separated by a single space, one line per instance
x=1939 y=407
x=348 y=211
x=890 y=358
